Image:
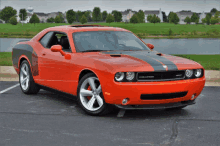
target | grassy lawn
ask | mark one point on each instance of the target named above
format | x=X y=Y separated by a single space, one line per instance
x=209 y=62
x=143 y=30
x=5 y=59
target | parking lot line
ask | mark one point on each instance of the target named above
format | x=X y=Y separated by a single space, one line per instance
x=121 y=113
x=9 y=88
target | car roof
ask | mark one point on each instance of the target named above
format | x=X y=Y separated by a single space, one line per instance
x=75 y=28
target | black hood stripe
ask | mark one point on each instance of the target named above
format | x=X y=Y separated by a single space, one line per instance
x=151 y=58
x=170 y=65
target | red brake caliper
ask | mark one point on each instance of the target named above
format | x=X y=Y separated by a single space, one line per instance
x=90 y=89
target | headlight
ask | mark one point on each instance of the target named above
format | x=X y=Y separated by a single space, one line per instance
x=119 y=76
x=189 y=73
x=130 y=76
x=198 y=73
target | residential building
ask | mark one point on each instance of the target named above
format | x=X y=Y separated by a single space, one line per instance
x=127 y=14
x=203 y=15
x=183 y=14
x=158 y=13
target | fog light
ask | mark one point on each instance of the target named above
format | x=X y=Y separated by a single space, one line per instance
x=193 y=96
x=124 y=101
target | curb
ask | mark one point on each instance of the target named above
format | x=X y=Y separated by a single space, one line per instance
x=8 y=73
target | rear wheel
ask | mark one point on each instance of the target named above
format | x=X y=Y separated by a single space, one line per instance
x=27 y=84
x=90 y=97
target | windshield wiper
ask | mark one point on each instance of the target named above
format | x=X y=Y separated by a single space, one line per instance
x=95 y=50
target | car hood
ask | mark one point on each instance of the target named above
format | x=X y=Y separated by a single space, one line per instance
x=144 y=60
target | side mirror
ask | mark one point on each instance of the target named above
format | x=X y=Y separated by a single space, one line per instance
x=150 y=46
x=56 y=48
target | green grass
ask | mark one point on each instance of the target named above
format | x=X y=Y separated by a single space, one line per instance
x=209 y=62
x=143 y=30
x=5 y=59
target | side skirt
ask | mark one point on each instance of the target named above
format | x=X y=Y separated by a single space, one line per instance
x=74 y=97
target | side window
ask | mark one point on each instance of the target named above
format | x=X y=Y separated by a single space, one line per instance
x=45 y=39
x=63 y=41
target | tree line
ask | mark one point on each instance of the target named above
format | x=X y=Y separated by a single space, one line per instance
x=8 y=14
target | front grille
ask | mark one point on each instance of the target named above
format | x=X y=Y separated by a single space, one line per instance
x=161 y=76
x=163 y=96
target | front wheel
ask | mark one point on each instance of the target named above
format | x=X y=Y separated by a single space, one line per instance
x=90 y=97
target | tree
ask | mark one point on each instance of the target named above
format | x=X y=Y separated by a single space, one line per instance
x=78 y=15
x=168 y=17
x=187 y=20
x=164 y=17
x=217 y=15
x=70 y=16
x=7 y=13
x=203 y=20
x=96 y=14
x=13 y=20
x=213 y=20
x=155 y=19
x=173 y=18
x=117 y=16
x=24 y=12
x=83 y=19
x=34 y=19
x=104 y=15
x=57 y=19
x=197 y=21
x=149 y=17
x=213 y=10
x=141 y=16
x=134 y=19
x=61 y=17
x=110 y=18
x=208 y=17
x=194 y=17
x=88 y=16
x=50 y=20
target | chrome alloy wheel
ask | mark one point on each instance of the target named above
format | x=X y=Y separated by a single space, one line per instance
x=24 y=76
x=90 y=94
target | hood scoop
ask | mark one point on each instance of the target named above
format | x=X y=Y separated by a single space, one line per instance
x=115 y=55
x=159 y=54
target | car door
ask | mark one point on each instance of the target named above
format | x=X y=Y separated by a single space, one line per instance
x=54 y=68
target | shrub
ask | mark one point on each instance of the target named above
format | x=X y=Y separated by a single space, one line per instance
x=170 y=32
x=13 y=20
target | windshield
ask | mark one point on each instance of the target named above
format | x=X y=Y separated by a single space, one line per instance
x=107 y=41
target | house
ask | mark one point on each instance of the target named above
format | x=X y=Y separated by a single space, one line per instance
x=203 y=15
x=2 y=21
x=42 y=16
x=127 y=14
x=158 y=13
x=183 y=14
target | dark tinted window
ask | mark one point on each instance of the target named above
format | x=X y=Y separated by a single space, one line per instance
x=107 y=41
x=44 y=41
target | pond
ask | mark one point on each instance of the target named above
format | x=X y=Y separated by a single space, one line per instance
x=167 y=46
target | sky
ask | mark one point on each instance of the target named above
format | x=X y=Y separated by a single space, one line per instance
x=48 y=6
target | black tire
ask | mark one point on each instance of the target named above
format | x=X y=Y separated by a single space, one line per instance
x=176 y=108
x=104 y=109
x=32 y=87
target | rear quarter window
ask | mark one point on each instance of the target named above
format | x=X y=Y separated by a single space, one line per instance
x=45 y=39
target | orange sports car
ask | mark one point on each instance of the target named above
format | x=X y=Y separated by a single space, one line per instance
x=106 y=67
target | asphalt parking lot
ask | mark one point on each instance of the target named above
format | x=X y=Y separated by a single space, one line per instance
x=49 y=119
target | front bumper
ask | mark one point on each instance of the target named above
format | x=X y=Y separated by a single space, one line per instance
x=157 y=106
x=115 y=92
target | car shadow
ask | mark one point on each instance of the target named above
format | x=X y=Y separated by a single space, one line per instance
x=70 y=101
